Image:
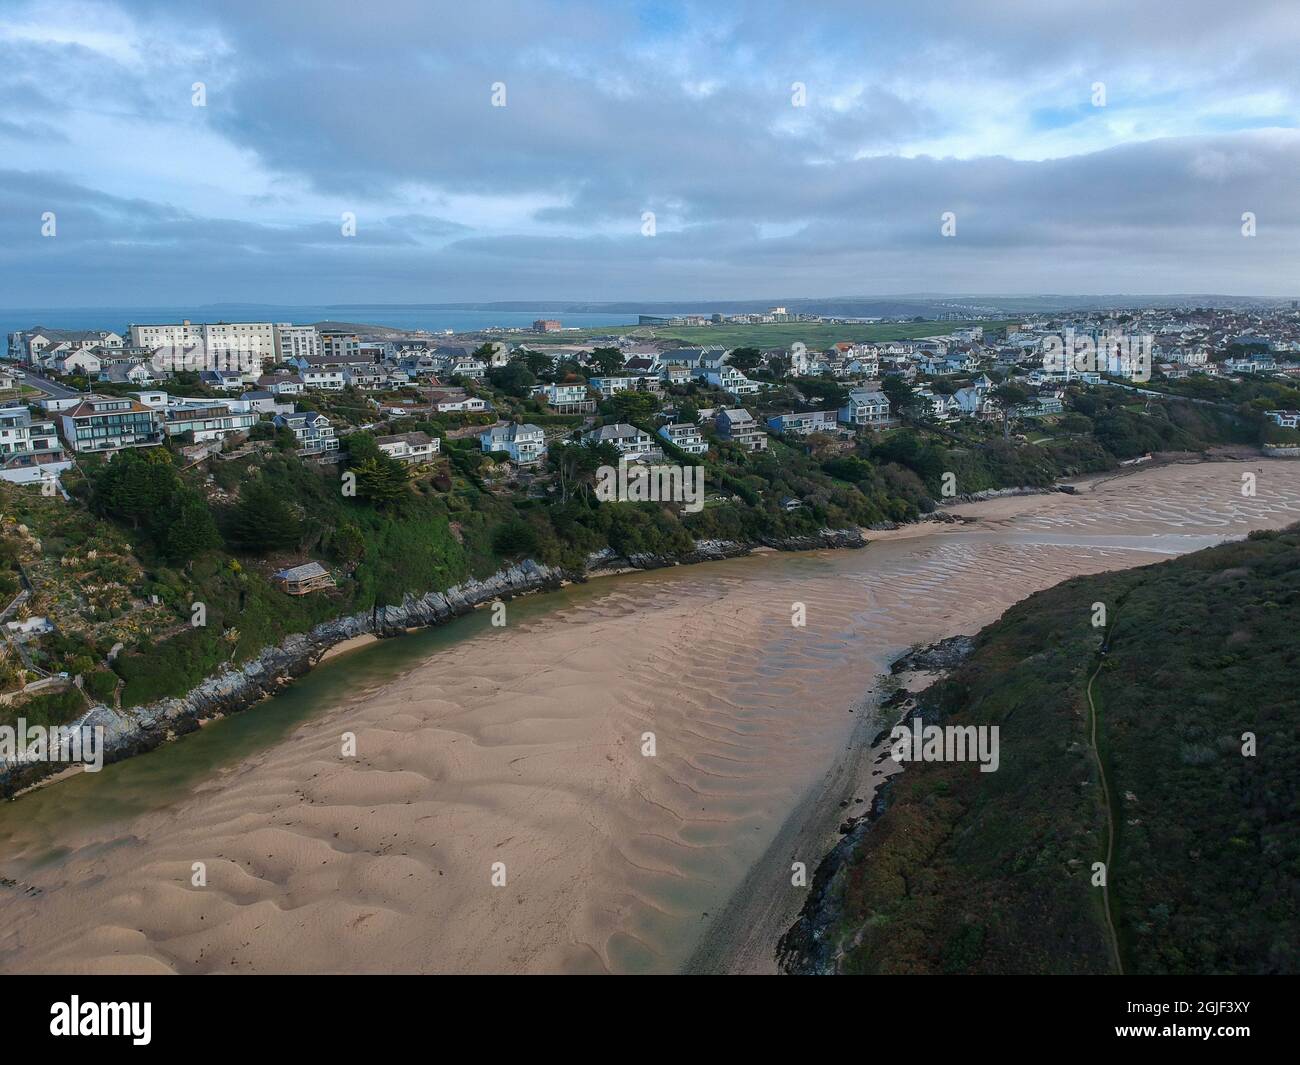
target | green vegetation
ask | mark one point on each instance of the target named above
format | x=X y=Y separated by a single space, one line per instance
x=151 y=537
x=992 y=872
x=815 y=335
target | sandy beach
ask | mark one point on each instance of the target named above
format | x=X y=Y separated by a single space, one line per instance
x=504 y=810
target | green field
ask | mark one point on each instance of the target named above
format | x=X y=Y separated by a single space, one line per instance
x=816 y=336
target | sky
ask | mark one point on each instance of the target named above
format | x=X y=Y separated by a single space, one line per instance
x=155 y=153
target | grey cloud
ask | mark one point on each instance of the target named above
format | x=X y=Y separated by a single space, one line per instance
x=388 y=108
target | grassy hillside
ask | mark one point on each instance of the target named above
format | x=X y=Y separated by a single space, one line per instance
x=816 y=335
x=971 y=872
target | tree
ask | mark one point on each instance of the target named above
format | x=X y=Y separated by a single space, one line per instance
x=577 y=464
x=136 y=486
x=900 y=394
x=634 y=405
x=534 y=361
x=349 y=544
x=1010 y=395
x=514 y=379
x=606 y=360
x=745 y=358
x=382 y=480
x=262 y=520
x=515 y=539
x=826 y=389
x=188 y=530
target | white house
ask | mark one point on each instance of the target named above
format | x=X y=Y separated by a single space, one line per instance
x=525 y=444
x=685 y=436
x=867 y=408
x=208 y=420
x=312 y=429
x=631 y=442
x=321 y=379
x=411 y=448
x=804 y=422
x=612 y=385
x=29 y=449
x=568 y=398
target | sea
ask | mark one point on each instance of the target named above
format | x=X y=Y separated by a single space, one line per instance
x=433 y=319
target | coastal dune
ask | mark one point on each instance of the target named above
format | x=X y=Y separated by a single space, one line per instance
x=505 y=811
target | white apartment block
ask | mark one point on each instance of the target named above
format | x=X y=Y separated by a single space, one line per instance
x=340 y=347
x=296 y=341
x=245 y=346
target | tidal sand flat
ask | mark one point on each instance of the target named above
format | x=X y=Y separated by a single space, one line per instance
x=582 y=790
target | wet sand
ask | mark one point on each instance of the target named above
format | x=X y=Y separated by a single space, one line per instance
x=524 y=746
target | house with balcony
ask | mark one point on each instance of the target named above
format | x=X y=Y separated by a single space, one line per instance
x=1040 y=406
x=108 y=423
x=614 y=384
x=737 y=425
x=568 y=398
x=801 y=423
x=312 y=430
x=469 y=366
x=727 y=378
x=223 y=380
x=324 y=379
x=632 y=443
x=867 y=408
x=686 y=436
x=368 y=378
x=29 y=447
x=414 y=449
x=207 y=420
x=525 y=444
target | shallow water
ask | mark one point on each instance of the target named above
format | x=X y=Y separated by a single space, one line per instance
x=521 y=745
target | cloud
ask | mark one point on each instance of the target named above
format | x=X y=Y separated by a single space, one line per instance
x=685 y=110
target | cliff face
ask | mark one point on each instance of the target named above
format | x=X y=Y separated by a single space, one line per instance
x=142 y=728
